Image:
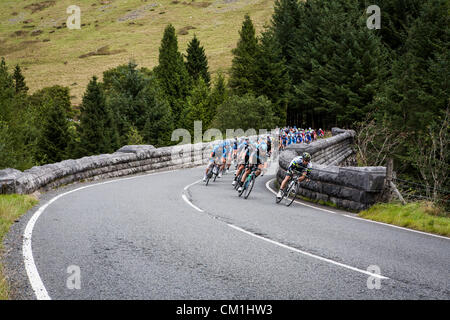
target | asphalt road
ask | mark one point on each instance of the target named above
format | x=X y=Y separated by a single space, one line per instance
x=139 y=239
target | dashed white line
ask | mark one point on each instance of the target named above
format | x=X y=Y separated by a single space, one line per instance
x=308 y=254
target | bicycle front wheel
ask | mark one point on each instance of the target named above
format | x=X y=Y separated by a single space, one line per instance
x=292 y=193
x=249 y=188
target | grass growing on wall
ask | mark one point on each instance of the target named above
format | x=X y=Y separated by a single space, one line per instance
x=11 y=208
x=422 y=216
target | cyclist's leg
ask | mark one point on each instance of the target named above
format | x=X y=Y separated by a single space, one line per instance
x=284 y=182
x=238 y=172
x=208 y=167
x=259 y=169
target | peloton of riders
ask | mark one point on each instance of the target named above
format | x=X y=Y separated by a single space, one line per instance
x=253 y=154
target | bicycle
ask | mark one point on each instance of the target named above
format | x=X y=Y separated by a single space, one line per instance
x=249 y=182
x=239 y=177
x=214 y=171
x=291 y=190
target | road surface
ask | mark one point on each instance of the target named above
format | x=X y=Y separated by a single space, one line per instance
x=168 y=236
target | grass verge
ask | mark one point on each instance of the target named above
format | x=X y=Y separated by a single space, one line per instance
x=11 y=208
x=422 y=216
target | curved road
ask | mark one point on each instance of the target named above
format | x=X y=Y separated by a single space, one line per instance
x=164 y=236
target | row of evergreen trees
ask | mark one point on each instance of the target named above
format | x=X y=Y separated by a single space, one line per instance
x=316 y=64
x=130 y=106
x=321 y=66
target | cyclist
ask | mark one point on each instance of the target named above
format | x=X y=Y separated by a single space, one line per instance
x=235 y=148
x=300 y=165
x=243 y=154
x=214 y=158
x=269 y=146
x=257 y=153
x=228 y=156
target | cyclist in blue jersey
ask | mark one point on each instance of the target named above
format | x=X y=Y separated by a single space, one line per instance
x=215 y=157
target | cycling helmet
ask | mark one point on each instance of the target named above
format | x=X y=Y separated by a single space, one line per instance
x=306 y=156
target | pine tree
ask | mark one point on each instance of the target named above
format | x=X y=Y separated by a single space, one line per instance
x=245 y=55
x=95 y=131
x=285 y=21
x=55 y=137
x=159 y=119
x=196 y=61
x=218 y=96
x=419 y=88
x=19 y=81
x=171 y=72
x=6 y=92
x=198 y=107
x=271 y=76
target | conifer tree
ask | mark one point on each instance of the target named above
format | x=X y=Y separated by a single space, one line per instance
x=95 y=131
x=171 y=72
x=198 y=107
x=55 y=137
x=196 y=61
x=245 y=55
x=285 y=21
x=218 y=96
x=19 y=81
x=271 y=76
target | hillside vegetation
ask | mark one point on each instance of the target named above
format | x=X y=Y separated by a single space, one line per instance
x=33 y=34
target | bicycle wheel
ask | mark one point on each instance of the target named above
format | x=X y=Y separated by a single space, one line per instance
x=238 y=179
x=244 y=187
x=208 y=176
x=249 y=188
x=292 y=192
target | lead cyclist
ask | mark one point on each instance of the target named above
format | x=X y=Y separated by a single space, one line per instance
x=301 y=165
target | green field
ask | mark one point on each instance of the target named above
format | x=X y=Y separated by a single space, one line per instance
x=33 y=34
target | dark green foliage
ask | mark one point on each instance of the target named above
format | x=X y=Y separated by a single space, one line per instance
x=198 y=107
x=96 y=130
x=285 y=21
x=136 y=100
x=218 y=95
x=53 y=95
x=55 y=137
x=271 y=76
x=258 y=113
x=196 y=61
x=243 y=69
x=416 y=96
x=397 y=17
x=19 y=81
x=172 y=74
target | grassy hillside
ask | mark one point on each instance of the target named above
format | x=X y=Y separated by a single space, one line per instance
x=33 y=34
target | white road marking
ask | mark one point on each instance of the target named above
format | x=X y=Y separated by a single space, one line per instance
x=191 y=204
x=190 y=185
x=30 y=266
x=185 y=198
x=362 y=219
x=398 y=227
x=308 y=254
